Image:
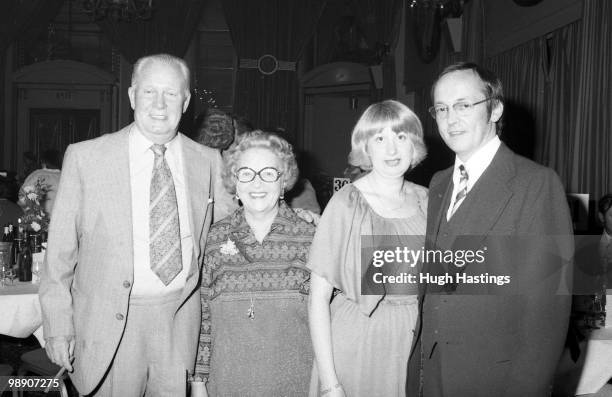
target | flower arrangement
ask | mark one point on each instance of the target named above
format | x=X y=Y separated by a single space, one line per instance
x=35 y=218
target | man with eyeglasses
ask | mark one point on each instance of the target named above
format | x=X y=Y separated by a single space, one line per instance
x=477 y=337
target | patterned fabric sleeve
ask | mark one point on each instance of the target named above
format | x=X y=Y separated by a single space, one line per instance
x=204 y=345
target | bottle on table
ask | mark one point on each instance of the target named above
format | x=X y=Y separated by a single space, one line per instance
x=38 y=256
x=36 y=243
x=16 y=248
x=6 y=237
x=24 y=262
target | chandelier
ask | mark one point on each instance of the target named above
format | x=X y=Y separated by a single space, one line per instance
x=446 y=8
x=118 y=10
x=427 y=17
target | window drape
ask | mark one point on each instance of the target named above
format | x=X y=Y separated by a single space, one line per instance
x=169 y=30
x=20 y=17
x=560 y=101
x=592 y=133
x=382 y=21
x=521 y=71
x=472 y=35
x=279 y=28
x=561 y=82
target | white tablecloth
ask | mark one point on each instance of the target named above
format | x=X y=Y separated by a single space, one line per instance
x=20 y=311
x=597 y=369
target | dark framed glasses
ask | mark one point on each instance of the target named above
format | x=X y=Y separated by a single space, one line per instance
x=267 y=174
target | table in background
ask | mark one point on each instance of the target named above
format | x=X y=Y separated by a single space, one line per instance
x=20 y=311
x=597 y=368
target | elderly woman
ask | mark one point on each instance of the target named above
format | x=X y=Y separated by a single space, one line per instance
x=254 y=339
x=362 y=343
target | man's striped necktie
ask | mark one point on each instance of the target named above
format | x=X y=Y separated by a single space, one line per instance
x=463 y=189
x=164 y=229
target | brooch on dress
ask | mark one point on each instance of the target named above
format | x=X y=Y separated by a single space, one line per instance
x=229 y=248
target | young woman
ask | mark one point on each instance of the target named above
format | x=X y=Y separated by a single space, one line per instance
x=362 y=342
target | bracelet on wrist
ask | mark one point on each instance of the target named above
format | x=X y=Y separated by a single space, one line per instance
x=329 y=389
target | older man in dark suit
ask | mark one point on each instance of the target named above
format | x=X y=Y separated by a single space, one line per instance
x=485 y=339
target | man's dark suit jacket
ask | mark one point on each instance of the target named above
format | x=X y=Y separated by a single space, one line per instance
x=484 y=340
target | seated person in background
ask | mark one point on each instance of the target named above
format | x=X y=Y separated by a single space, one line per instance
x=49 y=174
x=254 y=338
x=303 y=196
x=30 y=164
x=215 y=129
x=241 y=125
x=605 y=244
x=9 y=210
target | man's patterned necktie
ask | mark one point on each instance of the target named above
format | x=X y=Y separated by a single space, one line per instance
x=463 y=185
x=164 y=232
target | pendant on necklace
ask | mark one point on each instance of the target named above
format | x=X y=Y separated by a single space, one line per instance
x=251 y=311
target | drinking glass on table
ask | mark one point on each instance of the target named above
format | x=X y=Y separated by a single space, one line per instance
x=7 y=274
x=37 y=262
x=2 y=271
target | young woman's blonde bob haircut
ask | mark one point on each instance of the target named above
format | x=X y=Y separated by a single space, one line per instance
x=376 y=118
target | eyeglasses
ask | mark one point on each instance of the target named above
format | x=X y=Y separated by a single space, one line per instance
x=440 y=112
x=267 y=174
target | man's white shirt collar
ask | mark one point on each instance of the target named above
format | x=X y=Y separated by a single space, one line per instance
x=477 y=163
x=140 y=145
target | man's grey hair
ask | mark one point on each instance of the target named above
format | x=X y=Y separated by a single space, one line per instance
x=165 y=59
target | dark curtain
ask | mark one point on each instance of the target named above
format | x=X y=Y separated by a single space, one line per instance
x=21 y=17
x=473 y=31
x=381 y=21
x=279 y=28
x=168 y=31
x=561 y=92
x=521 y=71
x=557 y=91
x=592 y=133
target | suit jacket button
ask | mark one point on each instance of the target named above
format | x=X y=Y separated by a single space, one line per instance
x=119 y=316
x=126 y=284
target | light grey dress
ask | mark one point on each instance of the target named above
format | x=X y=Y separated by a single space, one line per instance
x=371 y=334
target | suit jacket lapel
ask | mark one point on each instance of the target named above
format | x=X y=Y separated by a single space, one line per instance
x=489 y=197
x=439 y=192
x=117 y=192
x=484 y=204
